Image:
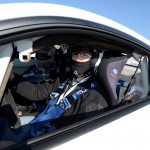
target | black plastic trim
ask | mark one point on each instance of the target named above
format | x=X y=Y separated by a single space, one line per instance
x=20 y=25
x=71 y=132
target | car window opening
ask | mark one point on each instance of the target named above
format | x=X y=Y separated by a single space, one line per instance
x=66 y=83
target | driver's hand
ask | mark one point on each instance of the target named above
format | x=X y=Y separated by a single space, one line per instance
x=130 y=94
x=130 y=97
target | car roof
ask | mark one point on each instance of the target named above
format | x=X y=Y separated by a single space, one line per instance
x=21 y=10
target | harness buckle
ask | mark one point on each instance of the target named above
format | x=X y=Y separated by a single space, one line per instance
x=54 y=95
x=65 y=104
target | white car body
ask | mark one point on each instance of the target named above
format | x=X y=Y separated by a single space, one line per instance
x=38 y=9
x=129 y=132
x=132 y=131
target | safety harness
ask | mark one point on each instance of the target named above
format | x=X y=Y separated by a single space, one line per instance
x=59 y=103
x=38 y=74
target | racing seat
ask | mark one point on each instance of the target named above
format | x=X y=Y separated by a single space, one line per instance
x=108 y=74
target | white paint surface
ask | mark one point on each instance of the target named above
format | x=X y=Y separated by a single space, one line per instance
x=19 y=10
x=131 y=132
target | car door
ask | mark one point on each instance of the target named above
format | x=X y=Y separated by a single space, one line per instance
x=36 y=31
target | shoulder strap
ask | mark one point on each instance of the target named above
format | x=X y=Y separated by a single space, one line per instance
x=74 y=85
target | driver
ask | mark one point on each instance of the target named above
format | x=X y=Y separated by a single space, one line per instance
x=46 y=69
x=81 y=73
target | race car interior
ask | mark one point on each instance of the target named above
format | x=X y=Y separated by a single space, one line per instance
x=29 y=57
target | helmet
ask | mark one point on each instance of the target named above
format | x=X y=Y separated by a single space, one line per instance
x=85 y=68
x=45 y=56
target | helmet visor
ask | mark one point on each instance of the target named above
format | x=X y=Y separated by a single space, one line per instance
x=45 y=54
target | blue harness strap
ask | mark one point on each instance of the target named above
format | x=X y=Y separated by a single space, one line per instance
x=44 y=122
x=119 y=85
